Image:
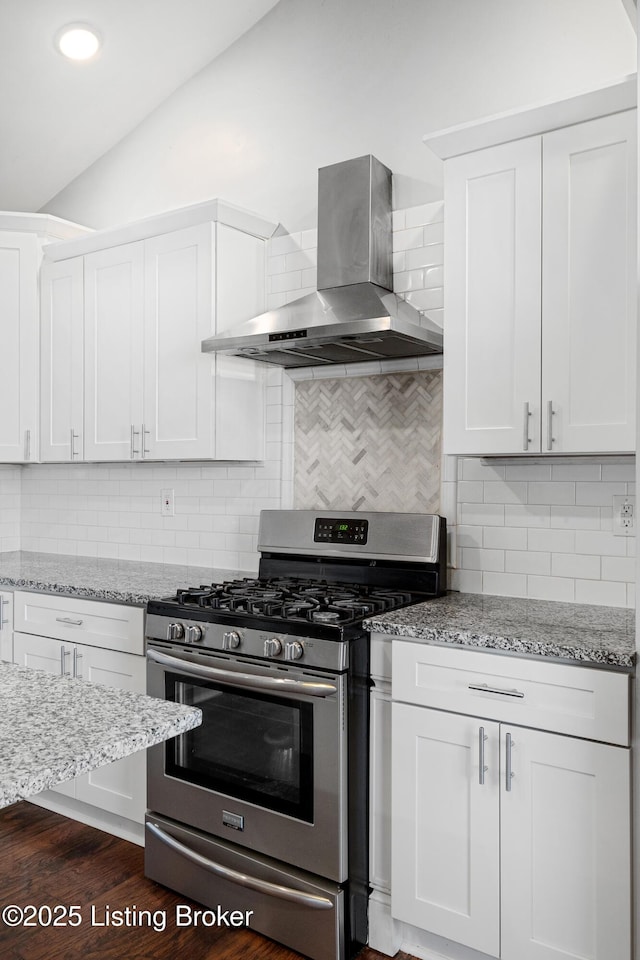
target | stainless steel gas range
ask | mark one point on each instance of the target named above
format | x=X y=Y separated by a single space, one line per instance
x=263 y=809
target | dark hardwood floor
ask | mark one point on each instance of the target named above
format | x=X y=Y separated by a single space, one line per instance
x=47 y=860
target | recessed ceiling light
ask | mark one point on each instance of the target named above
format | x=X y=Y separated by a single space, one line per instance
x=78 y=41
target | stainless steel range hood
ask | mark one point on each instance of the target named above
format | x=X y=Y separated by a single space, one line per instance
x=354 y=315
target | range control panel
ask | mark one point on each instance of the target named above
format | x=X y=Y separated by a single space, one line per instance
x=328 y=530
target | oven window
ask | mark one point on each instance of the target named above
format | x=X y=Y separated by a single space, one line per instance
x=250 y=746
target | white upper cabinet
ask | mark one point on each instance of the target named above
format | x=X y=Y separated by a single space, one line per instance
x=540 y=293
x=149 y=391
x=19 y=260
x=62 y=360
x=22 y=236
x=492 y=307
x=113 y=313
x=589 y=286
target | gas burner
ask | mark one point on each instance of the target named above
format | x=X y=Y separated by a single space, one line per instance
x=325 y=616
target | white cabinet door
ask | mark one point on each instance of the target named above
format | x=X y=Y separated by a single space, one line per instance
x=589 y=286
x=492 y=300
x=19 y=259
x=62 y=360
x=445 y=823
x=119 y=787
x=114 y=305
x=45 y=653
x=566 y=849
x=6 y=626
x=179 y=412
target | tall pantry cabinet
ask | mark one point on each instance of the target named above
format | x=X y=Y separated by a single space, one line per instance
x=540 y=282
x=132 y=305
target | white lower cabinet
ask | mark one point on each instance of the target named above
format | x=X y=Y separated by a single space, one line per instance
x=513 y=841
x=6 y=626
x=119 y=788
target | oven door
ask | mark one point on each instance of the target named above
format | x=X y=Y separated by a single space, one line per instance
x=267 y=768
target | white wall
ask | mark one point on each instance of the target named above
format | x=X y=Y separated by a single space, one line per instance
x=318 y=81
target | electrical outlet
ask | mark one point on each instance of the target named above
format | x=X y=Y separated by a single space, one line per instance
x=624 y=516
x=166 y=503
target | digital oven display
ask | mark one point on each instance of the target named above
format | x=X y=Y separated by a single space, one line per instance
x=340 y=531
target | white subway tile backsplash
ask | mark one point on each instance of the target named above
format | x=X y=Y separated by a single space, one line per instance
x=486 y=514
x=425 y=213
x=601 y=592
x=600 y=541
x=598 y=494
x=552 y=492
x=505 y=492
x=504 y=584
x=575 y=565
x=550 y=588
x=520 y=561
x=504 y=538
x=575 y=518
x=556 y=541
x=526 y=515
x=408 y=239
x=474 y=559
x=561 y=518
x=619 y=568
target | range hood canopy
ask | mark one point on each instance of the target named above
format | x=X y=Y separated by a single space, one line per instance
x=354 y=315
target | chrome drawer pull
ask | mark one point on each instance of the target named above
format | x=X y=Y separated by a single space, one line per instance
x=75 y=623
x=244 y=880
x=482 y=738
x=550 y=415
x=485 y=688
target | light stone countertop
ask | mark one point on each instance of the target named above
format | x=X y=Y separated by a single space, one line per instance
x=93 y=578
x=55 y=728
x=588 y=634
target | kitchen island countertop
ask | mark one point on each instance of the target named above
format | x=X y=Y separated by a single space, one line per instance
x=584 y=633
x=55 y=728
x=97 y=578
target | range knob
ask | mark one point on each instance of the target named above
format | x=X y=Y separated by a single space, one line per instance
x=293 y=650
x=175 y=631
x=272 y=647
x=193 y=634
x=231 y=640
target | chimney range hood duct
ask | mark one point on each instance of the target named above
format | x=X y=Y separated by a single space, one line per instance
x=354 y=315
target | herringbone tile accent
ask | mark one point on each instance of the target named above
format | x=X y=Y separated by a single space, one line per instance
x=369 y=443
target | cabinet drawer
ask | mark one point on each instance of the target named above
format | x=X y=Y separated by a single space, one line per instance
x=579 y=701
x=110 y=625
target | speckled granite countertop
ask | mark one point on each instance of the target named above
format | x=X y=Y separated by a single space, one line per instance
x=55 y=728
x=124 y=581
x=603 y=636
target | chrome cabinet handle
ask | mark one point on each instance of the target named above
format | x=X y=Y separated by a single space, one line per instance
x=482 y=738
x=509 y=774
x=145 y=451
x=134 y=433
x=550 y=415
x=485 y=688
x=244 y=880
x=27 y=444
x=247 y=680
x=74 y=623
x=63 y=654
x=73 y=437
x=525 y=435
x=76 y=656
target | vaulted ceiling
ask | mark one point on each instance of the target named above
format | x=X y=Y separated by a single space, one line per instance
x=57 y=117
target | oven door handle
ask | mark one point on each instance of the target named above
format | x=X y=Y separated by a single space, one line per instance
x=249 y=681
x=244 y=880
